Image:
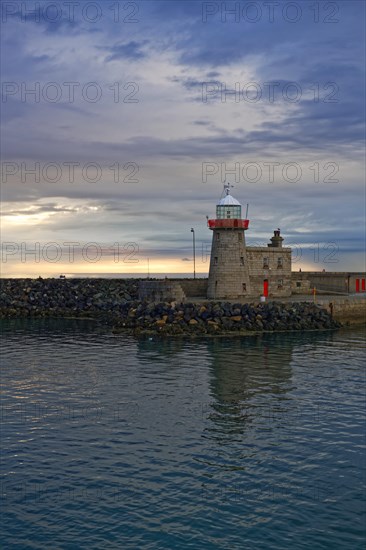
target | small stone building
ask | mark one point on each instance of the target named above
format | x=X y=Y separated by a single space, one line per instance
x=270 y=269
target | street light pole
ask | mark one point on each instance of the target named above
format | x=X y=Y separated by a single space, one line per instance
x=194 y=253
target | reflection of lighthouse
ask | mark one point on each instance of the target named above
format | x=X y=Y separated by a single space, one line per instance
x=243 y=369
x=229 y=274
x=250 y=378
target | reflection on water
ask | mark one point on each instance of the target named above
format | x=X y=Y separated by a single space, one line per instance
x=244 y=374
x=214 y=443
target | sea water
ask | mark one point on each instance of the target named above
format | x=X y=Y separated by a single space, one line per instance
x=112 y=442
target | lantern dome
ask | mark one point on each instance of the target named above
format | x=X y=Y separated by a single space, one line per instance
x=228 y=200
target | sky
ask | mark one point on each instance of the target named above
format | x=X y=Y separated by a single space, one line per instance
x=122 y=120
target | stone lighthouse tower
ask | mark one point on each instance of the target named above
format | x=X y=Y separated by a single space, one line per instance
x=229 y=274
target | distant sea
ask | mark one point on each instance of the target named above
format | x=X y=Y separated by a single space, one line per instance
x=109 y=442
x=120 y=275
x=137 y=275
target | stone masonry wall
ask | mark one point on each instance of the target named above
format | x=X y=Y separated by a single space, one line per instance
x=229 y=273
x=193 y=287
x=299 y=285
x=346 y=309
x=161 y=291
x=277 y=270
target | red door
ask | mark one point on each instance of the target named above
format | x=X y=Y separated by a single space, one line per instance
x=357 y=285
x=265 y=287
x=363 y=285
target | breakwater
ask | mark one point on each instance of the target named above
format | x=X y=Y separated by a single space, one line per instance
x=114 y=302
x=59 y=297
x=223 y=317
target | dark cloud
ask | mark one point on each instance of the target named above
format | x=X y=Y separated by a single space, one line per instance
x=170 y=132
x=130 y=50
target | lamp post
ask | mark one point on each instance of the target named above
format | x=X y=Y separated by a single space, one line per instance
x=194 y=253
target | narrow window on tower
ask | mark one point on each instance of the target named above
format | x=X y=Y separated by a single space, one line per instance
x=240 y=237
x=279 y=263
x=217 y=236
x=215 y=260
x=244 y=287
x=265 y=263
x=280 y=283
x=242 y=260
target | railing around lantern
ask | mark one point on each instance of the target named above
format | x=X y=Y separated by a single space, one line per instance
x=228 y=224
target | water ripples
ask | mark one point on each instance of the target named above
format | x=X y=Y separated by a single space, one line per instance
x=110 y=442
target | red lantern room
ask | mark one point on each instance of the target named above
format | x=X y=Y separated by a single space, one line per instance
x=228 y=213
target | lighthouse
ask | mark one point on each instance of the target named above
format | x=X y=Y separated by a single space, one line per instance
x=229 y=271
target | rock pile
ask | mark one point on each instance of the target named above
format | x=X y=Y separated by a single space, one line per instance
x=222 y=317
x=58 y=297
x=114 y=302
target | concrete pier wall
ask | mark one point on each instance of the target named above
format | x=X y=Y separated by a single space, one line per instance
x=346 y=309
x=332 y=281
x=193 y=287
x=161 y=291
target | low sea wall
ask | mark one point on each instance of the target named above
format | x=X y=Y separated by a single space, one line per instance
x=346 y=309
x=193 y=287
x=165 y=290
x=329 y=281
